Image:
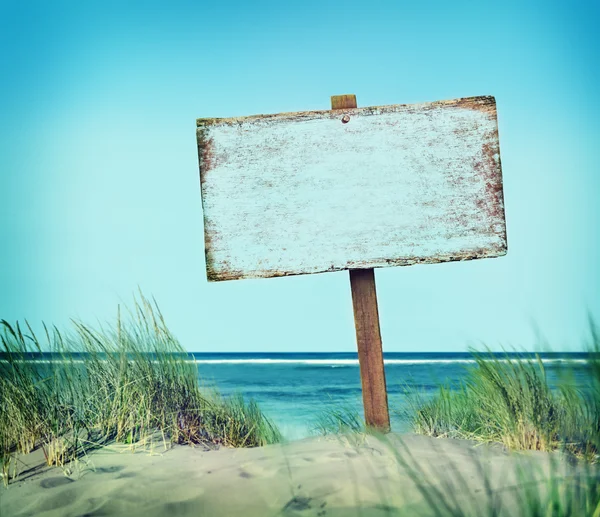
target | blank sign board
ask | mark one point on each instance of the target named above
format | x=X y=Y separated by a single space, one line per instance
x=316 y=191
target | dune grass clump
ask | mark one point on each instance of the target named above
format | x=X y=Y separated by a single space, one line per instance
x=341 y=419
x=509 y=401
x=125 y=383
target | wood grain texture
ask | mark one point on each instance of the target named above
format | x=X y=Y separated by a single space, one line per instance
x=366 y=323
x=343 y=101
x=370 y=352
x=298 y=193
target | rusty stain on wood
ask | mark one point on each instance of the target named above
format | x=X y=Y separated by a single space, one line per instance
x=298 y=193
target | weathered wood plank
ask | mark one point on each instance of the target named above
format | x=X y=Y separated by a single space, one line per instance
x=308 y=192
x=339 y=102
x=370 y=350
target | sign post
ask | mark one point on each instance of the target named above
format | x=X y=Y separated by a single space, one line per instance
x=366 y=321
x=352 y=189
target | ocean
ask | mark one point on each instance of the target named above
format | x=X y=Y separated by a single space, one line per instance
x=293 y=388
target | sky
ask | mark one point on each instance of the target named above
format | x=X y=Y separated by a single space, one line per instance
x=99 y=182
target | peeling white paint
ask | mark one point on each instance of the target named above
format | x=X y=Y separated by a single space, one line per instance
x=306 y=193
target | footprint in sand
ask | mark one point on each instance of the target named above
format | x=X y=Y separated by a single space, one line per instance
x=126 y=475
x=54 y=482
x=297 y=503
x=109 y=470
x=56 y=501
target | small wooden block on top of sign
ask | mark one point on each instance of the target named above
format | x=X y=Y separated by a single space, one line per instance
x=356 y=188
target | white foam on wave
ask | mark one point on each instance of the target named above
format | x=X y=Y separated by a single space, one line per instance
x=322 y=362
x=354 y=362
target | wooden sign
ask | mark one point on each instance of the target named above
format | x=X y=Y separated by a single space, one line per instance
x=354 y=188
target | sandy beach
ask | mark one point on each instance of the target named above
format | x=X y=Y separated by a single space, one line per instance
x=324 y=476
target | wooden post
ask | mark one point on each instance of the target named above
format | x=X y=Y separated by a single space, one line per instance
x=366 y=321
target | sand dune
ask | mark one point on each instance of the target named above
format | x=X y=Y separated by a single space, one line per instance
x=328 y=476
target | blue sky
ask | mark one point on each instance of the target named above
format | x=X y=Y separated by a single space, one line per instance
x=99 y=170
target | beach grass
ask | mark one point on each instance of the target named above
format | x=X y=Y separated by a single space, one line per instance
x=510 y=401
x=129 y=382
x=504 y=400
x=341 y=419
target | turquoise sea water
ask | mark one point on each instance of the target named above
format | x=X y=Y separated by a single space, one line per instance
x=292 y=388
